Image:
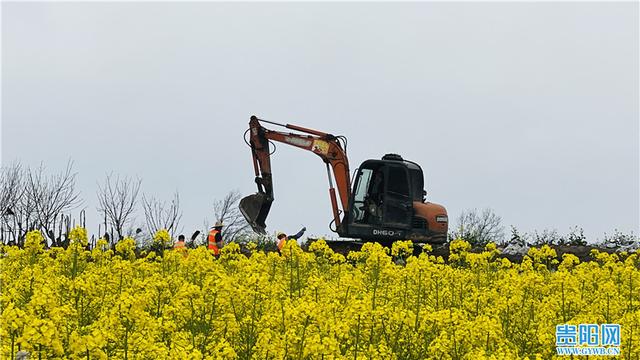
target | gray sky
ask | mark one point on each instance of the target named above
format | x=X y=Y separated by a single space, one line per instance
x=528 y=108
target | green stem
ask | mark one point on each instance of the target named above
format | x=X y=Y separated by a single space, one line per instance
x=376 y=274
x=126 y=344
x=12 y=345
x=630 y=291
x=564 y=314
x=355 y=354
x=298 y=277
x=304 y=331
x=417 y=324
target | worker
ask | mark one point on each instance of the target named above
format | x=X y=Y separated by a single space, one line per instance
x=214 y=239
x=375 y=199
x=282 y=237
x=140 y=236
x=180 y=244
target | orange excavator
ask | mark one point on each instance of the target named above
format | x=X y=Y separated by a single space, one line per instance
x=388 y=200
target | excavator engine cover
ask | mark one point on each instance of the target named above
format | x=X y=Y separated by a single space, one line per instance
x=255 y=209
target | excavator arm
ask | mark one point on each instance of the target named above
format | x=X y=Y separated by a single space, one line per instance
x=329 y=148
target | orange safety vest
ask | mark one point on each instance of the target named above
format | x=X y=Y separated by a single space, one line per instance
x=179 y=245
x=212 y=241
x=281 y=243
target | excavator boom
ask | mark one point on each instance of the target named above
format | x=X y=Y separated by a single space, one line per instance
x=329 y=148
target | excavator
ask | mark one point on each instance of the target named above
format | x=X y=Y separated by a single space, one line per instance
x=388 y=200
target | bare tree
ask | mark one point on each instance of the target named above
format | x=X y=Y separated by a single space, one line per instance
x=227 y=211
x=479 y=228
x=11 y=187
x=11 y=192
x=545 y=237
x=24 y=217
x=161 y=214
x=117 y=201
x=47 y=197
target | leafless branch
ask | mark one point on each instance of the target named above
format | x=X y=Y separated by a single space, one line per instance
x=47 y=197
x=162 y=215
x=480 y=228
x=11 y=189
x=228 y=212
x=11 y=192
x=117 y=201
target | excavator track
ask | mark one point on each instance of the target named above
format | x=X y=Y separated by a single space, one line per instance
x=343 y=246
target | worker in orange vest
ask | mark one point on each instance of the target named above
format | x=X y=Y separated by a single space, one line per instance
x=180 y=244
x=282 y=237
x=214 y=240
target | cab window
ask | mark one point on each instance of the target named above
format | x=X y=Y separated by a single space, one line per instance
x=360 y=194
x=363 y=185
x=398 y=181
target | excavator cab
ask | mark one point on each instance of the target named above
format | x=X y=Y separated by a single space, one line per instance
x=387 y=202
x=382 y=195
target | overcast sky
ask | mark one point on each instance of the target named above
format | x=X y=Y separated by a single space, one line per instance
x=530 y=109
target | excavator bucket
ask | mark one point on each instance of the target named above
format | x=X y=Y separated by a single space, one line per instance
x=255 y=209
